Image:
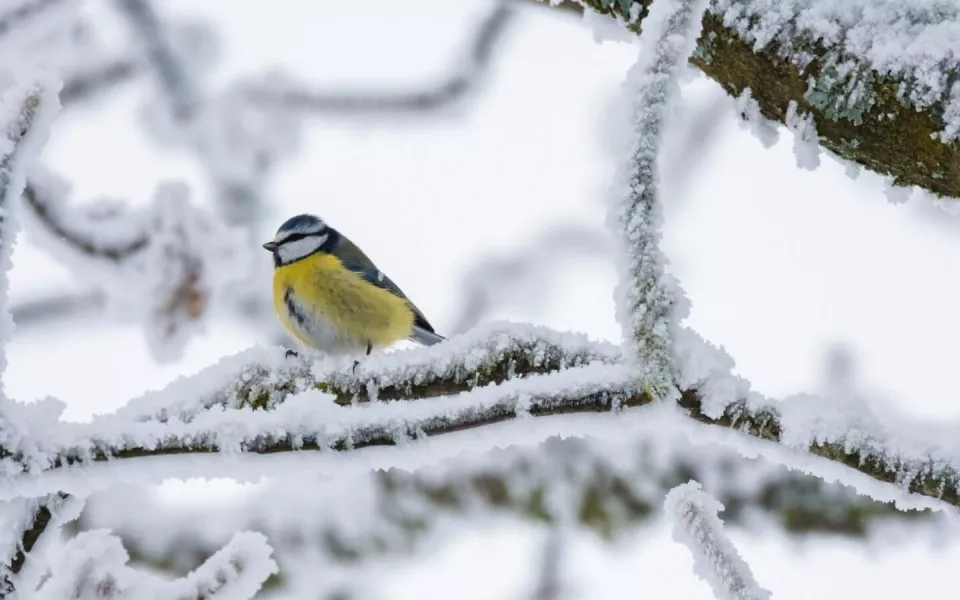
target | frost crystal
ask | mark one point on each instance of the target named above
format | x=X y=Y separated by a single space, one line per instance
x=752 y=119
x=914 y=42
x=805 y=142
x=716 y=561
x=650 y=302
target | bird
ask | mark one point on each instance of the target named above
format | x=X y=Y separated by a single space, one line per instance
x=330 y=297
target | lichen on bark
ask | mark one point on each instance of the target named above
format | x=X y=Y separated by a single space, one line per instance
x=861 y=115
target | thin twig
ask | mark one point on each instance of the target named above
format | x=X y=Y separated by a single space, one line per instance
x=462 y=80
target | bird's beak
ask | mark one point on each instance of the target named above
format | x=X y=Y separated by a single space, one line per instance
x=271 y=246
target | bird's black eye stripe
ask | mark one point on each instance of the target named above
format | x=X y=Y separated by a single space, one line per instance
x=294 y=237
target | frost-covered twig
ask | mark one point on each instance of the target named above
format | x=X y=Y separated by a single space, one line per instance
x=609 y=488
x=83 y=84
x=42 y=309
x=25 y=116
x=463 y=79
x=112 y=235
x=182 y=93
x=24 y=522
x=650 y=303
x=697 y=526
x=162 y=265
x=94 y=565
x=549 y=585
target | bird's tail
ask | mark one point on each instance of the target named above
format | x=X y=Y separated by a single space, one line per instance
x=427 y=338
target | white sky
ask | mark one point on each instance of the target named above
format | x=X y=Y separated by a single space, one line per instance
x=778 y=262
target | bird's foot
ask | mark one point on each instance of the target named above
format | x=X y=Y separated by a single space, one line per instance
x=354 y=369
x=290 y=353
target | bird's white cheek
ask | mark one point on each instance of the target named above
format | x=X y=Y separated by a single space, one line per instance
x=291 y=251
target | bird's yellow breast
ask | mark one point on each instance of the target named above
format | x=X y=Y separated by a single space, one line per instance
x=340 y=303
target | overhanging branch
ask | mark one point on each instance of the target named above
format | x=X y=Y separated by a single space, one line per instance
x=858 y=107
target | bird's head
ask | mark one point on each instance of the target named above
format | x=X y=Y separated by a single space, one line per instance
x=298 y=238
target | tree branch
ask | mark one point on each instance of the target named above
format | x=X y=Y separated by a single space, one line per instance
x=608 y=488
x=82 y=85
x=859 y=96
x=462 y=80
x=716 y=560
x=25 y=115
x=301 y=417
x=650 y=302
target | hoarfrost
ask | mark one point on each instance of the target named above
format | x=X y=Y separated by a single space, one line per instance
x=696 y=525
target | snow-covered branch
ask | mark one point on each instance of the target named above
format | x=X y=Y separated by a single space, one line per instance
x=609 y=488
x=23 y=522
x=94 y=565
x=650 y=303
x=866 y=71
x=163 y=265
x=211 y=412
x=697 y=526
x=25 y=116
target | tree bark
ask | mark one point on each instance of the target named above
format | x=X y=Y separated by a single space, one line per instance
x=884 y=132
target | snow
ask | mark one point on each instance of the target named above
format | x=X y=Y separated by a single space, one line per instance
x=749 y=110
x=92 y=398
x=716 y=560
x=162 y=266
x=267 y=369
x=94 y=565
x=26 y=111
x=624 y=480
x=806 y=144
x=650 y=302
x=914 y=42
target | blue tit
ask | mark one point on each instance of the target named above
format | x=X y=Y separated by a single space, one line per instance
x=331 y=297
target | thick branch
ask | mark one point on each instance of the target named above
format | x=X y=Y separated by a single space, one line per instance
x=301 y=417
x=899 y=117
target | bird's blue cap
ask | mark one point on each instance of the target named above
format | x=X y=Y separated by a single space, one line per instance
x=302 y=223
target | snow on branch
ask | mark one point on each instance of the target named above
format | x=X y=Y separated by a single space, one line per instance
x=610 y=488
x=264 y=378
x=697 y=526
x=866 y=71
x=220 y=411
x=162 y=266
x=22 y=524
x=94 y=565
x=25 y=116
x=651 y=304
